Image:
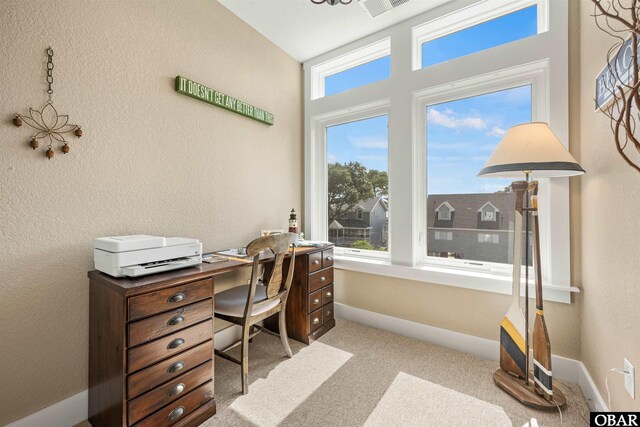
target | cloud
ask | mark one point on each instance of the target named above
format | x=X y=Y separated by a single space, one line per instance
x=449 y=145
x=369 y=142
x=449 y=119
x=497 y=132
x=332 y=158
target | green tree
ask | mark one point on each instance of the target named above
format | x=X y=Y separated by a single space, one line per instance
x=362 y=244
x=379 y=181
x=347 y=185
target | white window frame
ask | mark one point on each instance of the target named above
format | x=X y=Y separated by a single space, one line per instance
x=468 y=17
x=483 y=213
x=318 y=181
x=363 y=55
x=407 y=152
x=359 y=214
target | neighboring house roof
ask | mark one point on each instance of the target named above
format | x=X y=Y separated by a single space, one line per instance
x=467 y=210
x=369 y=204
x=348 y=223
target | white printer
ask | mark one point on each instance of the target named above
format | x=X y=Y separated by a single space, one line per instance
x=139 y=255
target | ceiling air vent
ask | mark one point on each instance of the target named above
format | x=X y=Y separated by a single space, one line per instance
x=378 y=7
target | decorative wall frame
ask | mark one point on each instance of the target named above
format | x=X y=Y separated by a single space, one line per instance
x=49 y=125
x=618 y=85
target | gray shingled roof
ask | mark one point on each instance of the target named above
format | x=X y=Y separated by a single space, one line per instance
x=369 y=204
x=466 y=213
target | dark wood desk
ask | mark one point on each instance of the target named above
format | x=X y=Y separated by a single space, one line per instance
x=151 y=338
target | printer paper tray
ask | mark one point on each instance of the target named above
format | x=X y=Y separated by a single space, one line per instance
x=160 y=266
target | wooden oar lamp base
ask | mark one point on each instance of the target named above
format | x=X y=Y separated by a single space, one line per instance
x=526 y=394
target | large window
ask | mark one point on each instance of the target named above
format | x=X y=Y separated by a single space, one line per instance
x=499 y=63
x=357 y=184
x=461 y=135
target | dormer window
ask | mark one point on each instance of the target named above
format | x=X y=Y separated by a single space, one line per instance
x=488 y=212
x=359 y=214
x=444 y=211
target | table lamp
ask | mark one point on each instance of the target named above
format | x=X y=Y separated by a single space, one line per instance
x=527 y=150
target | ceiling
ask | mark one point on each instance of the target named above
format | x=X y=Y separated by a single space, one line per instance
x=305 y=30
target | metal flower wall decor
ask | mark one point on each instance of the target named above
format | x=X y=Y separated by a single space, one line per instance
x=49 y=125
x=618 y=85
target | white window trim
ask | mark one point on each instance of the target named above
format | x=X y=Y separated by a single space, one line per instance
x=535 y=74
x=485 y=10
x=495 y=211
x=371 y=52
x=317 y=157
x=489 y=281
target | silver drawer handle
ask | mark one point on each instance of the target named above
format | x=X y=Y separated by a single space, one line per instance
x=175 y=367
x=328 y=294
x=175 y=343
x=176 y=413
x=175 y=320
x=179 y=388
x=329 y=258
x=177 y=297
x=316 y=262
x=328 y=313
x=322 y=279
x=316 y=301
x=316 y=321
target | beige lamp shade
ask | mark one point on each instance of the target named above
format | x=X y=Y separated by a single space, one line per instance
x=530 y=147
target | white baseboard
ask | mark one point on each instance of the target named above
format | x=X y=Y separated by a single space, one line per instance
x=74 y=409
x=564 y=369
x=65 y=413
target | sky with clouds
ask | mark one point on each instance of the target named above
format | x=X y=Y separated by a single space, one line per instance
x=461 y=134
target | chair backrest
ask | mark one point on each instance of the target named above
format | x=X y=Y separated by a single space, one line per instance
x=279 y=244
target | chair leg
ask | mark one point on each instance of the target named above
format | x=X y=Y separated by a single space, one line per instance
x=251 y=330
x=283 y=333
x=245 y=359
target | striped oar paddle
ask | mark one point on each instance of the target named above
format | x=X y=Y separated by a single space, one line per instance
x=513 y=328
x=542 y=377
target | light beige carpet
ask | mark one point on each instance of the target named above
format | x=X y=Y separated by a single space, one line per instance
x=356 y=375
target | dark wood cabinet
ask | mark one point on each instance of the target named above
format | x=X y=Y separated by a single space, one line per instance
x=151 y=338
x=310 y=305
x=151 y=350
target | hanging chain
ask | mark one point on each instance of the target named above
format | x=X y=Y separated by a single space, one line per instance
x=50 y=71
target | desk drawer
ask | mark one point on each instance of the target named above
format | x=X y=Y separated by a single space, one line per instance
x=327 y=313
x=315 y=301
x=319 y=279
x=155 y=399
x=327 y=258
x=147 y=354
x=315 y=262
x=315 y=320
x=167 y=299
x=165 y=323
x=177 y=410
x=327 y=294
x=148 y=378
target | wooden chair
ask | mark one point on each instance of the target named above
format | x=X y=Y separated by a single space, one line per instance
x=249 y=304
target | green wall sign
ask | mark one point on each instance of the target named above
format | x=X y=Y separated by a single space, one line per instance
x=219 y=99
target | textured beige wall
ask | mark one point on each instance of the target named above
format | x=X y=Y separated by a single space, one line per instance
x=610 y=237
x=151 y=161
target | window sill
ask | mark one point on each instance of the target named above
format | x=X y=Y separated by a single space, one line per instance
x=476 y=280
